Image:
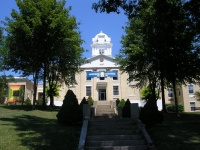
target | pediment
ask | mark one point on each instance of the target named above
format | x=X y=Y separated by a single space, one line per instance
x=100 y=61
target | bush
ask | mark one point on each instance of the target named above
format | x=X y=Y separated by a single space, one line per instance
x=90 y=100
x=121 y=103
x=117 y=102
x=172 y=108
x=39 y=102
x=70 y=112
x=126 y=111
x=149 y=113
x=83 y=101
x=27 y=101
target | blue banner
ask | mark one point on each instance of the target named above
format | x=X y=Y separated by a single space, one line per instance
x=91 y=74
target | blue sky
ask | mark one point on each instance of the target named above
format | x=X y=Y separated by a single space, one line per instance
x=91 y=23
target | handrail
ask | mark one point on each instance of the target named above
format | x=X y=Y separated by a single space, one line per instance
x=83 y=135
x=145 y=134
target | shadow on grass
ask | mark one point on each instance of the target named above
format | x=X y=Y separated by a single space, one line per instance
x=30 y=107
x=177 y=132
x=46 y=134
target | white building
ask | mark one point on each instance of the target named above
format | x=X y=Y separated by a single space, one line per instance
x=101 y=78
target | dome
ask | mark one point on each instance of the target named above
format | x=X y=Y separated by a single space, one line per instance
x=101 y=38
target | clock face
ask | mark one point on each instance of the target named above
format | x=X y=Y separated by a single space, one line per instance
x=101 y=59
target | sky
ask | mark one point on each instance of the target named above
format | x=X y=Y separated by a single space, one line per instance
x=91 y=23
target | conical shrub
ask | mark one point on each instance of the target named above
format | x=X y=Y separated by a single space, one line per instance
x=126 y=110
x=70 y=112
x=84 y=101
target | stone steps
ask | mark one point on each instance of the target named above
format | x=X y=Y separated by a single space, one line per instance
x=114 y=134
x=105 y=110
x=143 y=147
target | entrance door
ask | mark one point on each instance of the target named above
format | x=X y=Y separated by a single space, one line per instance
x=102 y=94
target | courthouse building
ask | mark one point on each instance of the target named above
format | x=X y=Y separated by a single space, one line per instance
x=100 y=77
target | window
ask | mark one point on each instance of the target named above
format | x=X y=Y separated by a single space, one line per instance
x=115 y=90
x=115 y=78
x=102 y=75
x=87 y=75
x=101 y=51
x=170 y=93
x=88 y=90
x=191 y=89
x=192 y=106
x=73 y=77
x=16 y=93
x=131 y=75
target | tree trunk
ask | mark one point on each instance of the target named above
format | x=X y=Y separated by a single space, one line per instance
x=175 y=98
x=44 y=87
x=51 y=101
x=35 y=89
x=164 y=110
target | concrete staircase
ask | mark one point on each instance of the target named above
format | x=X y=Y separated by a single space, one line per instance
x=114 y=134
x=105 y=111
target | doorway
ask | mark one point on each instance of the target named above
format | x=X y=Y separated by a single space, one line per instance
x=102 y=94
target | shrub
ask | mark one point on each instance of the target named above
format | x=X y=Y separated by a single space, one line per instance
x=90 y=100
x=70 y=112
x=83 y=101
x=27 y=101
x=121 y=103
x=126 y=111
x=149 y=113
x=117 y=102
x=39 y=102
x=172 y=108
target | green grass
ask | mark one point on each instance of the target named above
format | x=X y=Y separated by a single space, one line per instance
x=22 y=128
x=177 y=133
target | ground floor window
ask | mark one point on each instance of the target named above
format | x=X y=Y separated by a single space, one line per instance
x=88 y=90
x=115 y=90
x=192 y=106
x=170 y=93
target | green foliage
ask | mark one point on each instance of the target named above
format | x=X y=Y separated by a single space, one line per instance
x=3 y=87
x=117 y=102
x=90 y=100
x=172 y=108
x=126 y=110
x=39 y=102
x=27 y=101
x=146 y=93
x=70 y=112
x=50 y=41
x=53 y=90
x=121 y=103
x=197 y=95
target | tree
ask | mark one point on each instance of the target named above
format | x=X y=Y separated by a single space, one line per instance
x=158 y=47
x=53 y=92
x=146 y=93
x=70 y=112
x=44 y=40
x=197 y=95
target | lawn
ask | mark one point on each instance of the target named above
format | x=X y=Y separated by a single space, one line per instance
x=22 y=128
x=177 y=133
